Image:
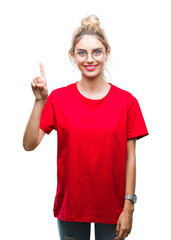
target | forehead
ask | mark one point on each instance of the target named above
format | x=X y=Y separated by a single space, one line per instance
x=89 y=42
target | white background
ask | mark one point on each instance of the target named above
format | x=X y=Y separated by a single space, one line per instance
x=139 y=33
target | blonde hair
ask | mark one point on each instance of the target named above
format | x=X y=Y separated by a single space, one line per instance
x=90 y=26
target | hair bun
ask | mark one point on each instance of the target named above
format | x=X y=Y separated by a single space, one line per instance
x=90 y=20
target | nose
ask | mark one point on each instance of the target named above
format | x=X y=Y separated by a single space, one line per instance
x=89 y=57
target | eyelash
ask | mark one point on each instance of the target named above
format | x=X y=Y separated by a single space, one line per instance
x=81 y=51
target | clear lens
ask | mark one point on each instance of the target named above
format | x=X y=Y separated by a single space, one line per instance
x=97 y=54
x=81 y=53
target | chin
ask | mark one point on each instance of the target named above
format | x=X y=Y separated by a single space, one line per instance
x=91 y=74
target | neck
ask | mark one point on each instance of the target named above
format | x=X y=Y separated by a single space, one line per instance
x=92 y=83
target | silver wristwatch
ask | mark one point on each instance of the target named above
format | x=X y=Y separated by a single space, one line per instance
x=133 y=197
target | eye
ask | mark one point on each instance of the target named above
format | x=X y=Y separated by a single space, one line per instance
x=97 y=51
x=81 y=53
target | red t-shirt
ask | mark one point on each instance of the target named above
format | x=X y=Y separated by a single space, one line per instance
x=91 y=151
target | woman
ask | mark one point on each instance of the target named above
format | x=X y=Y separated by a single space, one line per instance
x=97 y=125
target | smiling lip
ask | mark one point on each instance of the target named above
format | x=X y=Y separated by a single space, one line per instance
x=89 y=65
x=90 y=69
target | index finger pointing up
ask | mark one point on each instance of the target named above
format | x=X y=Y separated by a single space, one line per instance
x=42 y=71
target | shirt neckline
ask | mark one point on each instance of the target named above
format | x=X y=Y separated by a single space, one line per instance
x=89 y=100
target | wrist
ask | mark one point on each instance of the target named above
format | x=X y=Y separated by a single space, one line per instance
x=128 y=206
x=40 y=99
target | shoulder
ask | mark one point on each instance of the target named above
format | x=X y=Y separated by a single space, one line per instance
x=61 y=91
x=125 y=95
x=61 y=94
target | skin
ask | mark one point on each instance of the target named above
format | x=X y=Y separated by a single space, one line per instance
x=93 y=85
x=33 y=134
x=124 y=224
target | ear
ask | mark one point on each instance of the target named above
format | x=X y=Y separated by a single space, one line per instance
x=73 y=56
x=107 y=54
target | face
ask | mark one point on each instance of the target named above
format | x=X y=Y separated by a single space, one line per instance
x=88 y=43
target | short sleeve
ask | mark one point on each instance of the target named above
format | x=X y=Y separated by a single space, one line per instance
x=136 y=124
x=47 y=120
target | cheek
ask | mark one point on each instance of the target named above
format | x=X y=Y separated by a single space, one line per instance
x=80 y=66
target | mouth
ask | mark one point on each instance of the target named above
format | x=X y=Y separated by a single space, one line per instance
x=90 y=67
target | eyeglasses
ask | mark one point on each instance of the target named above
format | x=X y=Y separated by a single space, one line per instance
x=82 y=54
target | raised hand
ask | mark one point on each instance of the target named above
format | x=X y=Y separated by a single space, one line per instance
x=39 y=85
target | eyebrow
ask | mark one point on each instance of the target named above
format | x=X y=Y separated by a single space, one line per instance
x=92 y=49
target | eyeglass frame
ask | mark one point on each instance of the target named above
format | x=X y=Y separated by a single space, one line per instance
x=89 y=52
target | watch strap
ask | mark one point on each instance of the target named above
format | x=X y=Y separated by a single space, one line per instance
x=133 y=197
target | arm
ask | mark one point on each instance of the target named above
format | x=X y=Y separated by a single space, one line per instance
x=33 y=134
x=124 y=223
x=130 y=173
